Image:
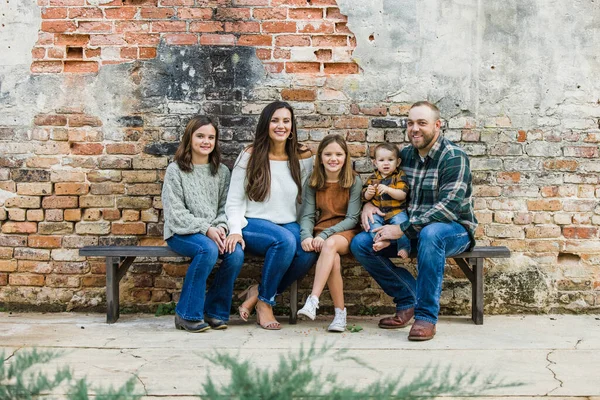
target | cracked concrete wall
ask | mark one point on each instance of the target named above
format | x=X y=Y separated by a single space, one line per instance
x=83 y=150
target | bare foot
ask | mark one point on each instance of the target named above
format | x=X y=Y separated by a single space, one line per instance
x=402 y=253
x=378 y=246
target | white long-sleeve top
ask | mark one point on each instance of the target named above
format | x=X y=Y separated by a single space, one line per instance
x=279 y=207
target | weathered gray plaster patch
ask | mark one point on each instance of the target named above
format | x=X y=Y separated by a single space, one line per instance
x=526 y=60
x=19 y=24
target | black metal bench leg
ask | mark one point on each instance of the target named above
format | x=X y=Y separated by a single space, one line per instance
x=477 y=292
x=112 y=290
x=294 y=303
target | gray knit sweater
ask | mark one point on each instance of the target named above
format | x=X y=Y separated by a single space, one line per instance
x=194 y=201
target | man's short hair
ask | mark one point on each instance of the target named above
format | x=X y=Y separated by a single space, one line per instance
x=431 y=106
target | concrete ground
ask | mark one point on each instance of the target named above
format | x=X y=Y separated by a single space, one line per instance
x=555 y=356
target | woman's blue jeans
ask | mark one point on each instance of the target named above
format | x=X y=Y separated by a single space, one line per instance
x=285 y=261
x=403 y=242
x=204 y=252
x=435 y=242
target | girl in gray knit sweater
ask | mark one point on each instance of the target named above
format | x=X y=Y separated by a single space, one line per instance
x=193 y=196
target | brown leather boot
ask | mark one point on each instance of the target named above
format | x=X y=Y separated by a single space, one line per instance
x=400 y=320
x=421 y=331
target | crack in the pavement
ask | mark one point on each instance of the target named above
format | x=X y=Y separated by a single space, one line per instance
x=12 y=355
x=550 y=362
x=577 y=344
x=142 y=382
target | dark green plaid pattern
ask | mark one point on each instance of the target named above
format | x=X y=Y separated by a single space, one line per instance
x=440 y=186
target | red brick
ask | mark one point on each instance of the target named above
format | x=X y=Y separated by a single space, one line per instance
x=85 y=13
x=50 y=120
x=288 y=3
x=40 y=67
x=266 y=14
x=263 y=54
x=132 y=228
x=316 y=27
x=26 y=280
x=94 y=27
x=298 y=95
x=129 y=53
x=351 y=122
x=58 y=26
x=212 y=26
x=581 y=151
x=250 y=2
x=56 y=52
x=222 y=40
x=508 y=177
x=521 y=136
x=303 y=68
x=44 y=38
x=141 y=38
x=54 y=13
x=334 y=13
x=38 y=53
x=66 y=3
x=180 y=39
x=122 y=148
x=110 y=214
x=292 y=40
x=63 y=188
x=305 y=13
x=544 y=205
x=563 y=165
x=169 y=26
x=377 y=110
x=330 y=41
x=71 y=40
x=3 y=279
x=166 y=3
x=282 y=54
x=195 y=13
x=242 y=27
x=120 y=12
x=340 y=68
x=157 y=13
x=19 y=227
x=35 y=215
x=8 y=265
x=255 y=40
x=87 y=148
x=131 y=26
x=578 y=232
x=317 y=3
x=81 y=67
x=279 y=27
x=232 y=13
x=147 y=52
x=342 y=27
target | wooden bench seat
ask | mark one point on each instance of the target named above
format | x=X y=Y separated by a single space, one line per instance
x=120 y=258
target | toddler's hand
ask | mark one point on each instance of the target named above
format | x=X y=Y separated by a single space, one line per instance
x=382 y=189
x=370 y=192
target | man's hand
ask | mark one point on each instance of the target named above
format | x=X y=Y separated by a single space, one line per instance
x=217 y=235
x=317 y=243
x=370 y=192
x=366 y=218
x=388 y=232
x=307 y=245
x=232 y=240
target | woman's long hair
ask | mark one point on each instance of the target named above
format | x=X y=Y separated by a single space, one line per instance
x=346 y=176
x=183 y=155
x=258 y=173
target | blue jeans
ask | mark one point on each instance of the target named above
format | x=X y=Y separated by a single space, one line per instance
x=403 y=242
x=436 y=241
x=285 y=261
x=192 y=305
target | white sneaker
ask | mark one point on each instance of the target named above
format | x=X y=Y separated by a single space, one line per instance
x=310 y=307
x=339 y=321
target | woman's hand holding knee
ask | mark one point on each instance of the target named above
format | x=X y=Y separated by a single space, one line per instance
x=307 y=245
x=318 y=243
x=232 y=240
x=217 y=235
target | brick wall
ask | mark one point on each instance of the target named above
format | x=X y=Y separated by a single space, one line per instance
x=75 y=175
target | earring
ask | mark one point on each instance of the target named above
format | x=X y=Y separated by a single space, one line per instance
x=291 y=137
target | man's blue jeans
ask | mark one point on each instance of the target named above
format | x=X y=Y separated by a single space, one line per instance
x=403 y=242
x=192 y=305
x=436 y=241
x=285 y=261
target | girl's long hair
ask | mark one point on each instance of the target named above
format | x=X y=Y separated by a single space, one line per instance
x=183 y=155
x=258 y=173
x=346 y=176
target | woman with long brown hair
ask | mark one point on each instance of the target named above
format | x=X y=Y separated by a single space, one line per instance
x=262 y=208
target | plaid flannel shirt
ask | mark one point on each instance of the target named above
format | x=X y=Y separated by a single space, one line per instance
x=385 y=202
x=441 y=188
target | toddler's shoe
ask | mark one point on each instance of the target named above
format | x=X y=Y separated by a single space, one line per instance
x=310 y=307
